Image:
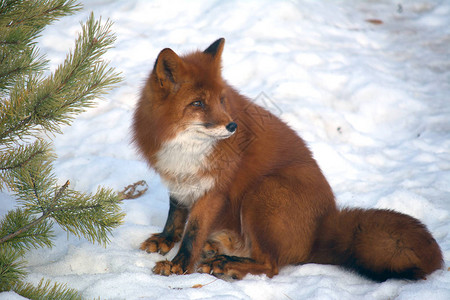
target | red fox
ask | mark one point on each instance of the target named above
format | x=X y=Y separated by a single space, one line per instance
x=246 y=195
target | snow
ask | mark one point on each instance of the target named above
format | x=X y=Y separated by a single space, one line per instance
x=372 y=101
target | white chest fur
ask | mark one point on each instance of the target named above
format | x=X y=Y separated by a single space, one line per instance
x=180 y=161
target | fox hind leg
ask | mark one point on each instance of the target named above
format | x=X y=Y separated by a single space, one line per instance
x=226 y=242
x=225 y=255
x=235 y=267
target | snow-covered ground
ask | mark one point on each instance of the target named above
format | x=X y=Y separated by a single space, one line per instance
x=365 y=83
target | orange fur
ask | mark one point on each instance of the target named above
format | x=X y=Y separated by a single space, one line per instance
x=251 y=198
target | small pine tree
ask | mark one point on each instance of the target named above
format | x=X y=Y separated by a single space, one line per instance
x=32 y=107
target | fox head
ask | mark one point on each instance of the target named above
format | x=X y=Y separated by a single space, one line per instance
x=187 y=94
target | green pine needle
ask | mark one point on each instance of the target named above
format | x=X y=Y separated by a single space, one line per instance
x=32 y=107
x=12 y=268
x=49 y=103
x=90 y=216
x=21 y=23
x=46 y=290
x=29 y=231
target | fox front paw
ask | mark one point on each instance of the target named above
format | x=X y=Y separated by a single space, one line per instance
x=157 y=243
x=167 y=268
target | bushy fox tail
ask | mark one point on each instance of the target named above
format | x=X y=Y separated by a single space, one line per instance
x=379 y=244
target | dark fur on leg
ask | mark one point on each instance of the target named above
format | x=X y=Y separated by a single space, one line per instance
x=172 y=232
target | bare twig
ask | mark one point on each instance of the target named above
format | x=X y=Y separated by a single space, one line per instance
x=198 y=286
x=134 y=190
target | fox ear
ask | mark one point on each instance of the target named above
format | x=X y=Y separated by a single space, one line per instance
x=168 y=69
x=216 y=48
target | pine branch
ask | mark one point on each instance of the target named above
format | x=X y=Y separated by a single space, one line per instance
x=84 y=215
x=33 y=184
x=12 y=273
x=20 y=231
x=90 y=216
x=32 y=105
x=20 y=24
x=22 y=155
x=18 y=64
x=12 y=269
x=42 y=12
x=14 y=159
x=74 y=85
x=45 y=290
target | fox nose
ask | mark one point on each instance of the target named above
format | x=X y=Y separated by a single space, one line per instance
x=231 y=127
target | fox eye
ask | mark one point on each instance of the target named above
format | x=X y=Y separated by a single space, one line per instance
x=222 y=99
x=197 y=103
